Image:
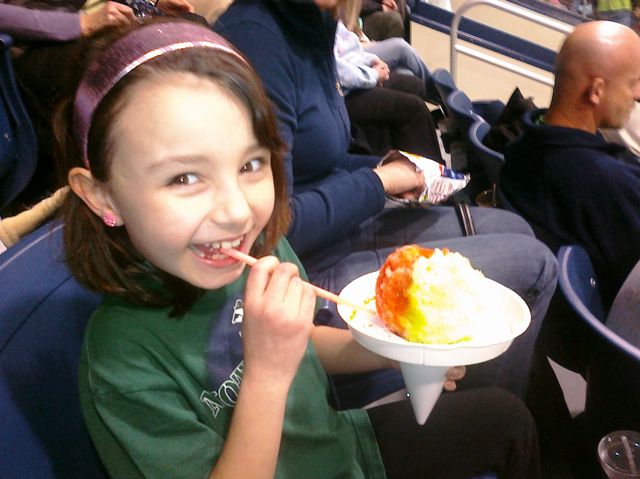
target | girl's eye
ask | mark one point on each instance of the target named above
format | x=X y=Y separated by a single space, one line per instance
x=184 y=179
x=252 y=165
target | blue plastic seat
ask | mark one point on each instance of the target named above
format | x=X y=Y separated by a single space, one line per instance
x=43 y=314
x=443 y=84
x=491 y=160
x=613 y=364
x=18 y=142
x=462 y=110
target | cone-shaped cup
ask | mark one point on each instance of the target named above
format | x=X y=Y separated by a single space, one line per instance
x=424 y=385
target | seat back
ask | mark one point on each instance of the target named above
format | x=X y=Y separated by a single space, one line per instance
x=43 y=314
x=443 y=85
x=461 y=108
x=613 y=365
x=18 y=143
x=491 y=160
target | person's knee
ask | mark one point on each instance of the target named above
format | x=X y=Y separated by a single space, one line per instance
x=515 y=419
x=494 y=220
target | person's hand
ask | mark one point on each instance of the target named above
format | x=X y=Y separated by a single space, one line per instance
x=278 y=320
x=399 y=177
x=110 y=15
x=452 y=375
x=389 y=5
x=382 y=69
x=174 y=7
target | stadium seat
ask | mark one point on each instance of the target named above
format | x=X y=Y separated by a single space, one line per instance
x=491 y=160
x=18 y=142
x=613 y=365
x=444 y=85
x=43 y=313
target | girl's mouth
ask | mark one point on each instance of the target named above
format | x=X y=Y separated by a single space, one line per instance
x=212 y=251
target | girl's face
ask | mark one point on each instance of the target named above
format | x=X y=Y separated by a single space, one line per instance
x=188 y=177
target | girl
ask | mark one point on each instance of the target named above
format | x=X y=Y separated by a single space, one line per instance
x=176 y=156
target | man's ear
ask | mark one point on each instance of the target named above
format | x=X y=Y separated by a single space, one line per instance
x=596 y=90
x=95 y=194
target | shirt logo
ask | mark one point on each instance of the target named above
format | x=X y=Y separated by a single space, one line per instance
x=238 y=313
x=227 y=393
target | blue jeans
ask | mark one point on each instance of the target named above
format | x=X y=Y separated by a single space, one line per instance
x=402 y=58
x=504 y=249
x=399 y=55
x=623 y=17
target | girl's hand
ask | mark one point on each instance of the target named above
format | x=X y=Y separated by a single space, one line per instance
x=452 y=375
x=399 y=177
x=278 y=320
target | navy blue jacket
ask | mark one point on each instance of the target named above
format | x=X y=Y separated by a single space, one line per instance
x=290 y=45
x=578 y=188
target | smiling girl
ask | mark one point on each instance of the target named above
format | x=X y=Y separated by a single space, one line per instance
x=194 y=366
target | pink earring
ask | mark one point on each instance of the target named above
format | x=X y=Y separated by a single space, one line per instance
x=110 y=220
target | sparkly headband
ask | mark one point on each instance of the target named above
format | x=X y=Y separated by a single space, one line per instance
x=130 y=51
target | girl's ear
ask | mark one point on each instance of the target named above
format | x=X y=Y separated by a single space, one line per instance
x=95 y=195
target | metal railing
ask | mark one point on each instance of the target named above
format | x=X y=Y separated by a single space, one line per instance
x=492 y=59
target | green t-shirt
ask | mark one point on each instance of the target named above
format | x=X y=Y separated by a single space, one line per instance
x=154 y=409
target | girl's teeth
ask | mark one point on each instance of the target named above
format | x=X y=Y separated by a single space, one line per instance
x=211 y=250
x=223 y=244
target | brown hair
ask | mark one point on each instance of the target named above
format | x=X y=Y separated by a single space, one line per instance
x=104 y=259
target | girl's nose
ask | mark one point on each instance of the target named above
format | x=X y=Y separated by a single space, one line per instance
x=230 y=206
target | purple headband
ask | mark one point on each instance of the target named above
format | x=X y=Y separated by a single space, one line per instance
x=130 y=51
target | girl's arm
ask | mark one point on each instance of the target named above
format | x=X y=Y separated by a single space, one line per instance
x=339 y=353
x=278 y=320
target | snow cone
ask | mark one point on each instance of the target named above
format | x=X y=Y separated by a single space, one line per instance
x=432 y=296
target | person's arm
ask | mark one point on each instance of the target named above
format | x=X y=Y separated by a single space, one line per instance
x=352 y=62
x=26 y=24
x=277 y=324
x=354 y=75
x=340 y=353
x=30 y=24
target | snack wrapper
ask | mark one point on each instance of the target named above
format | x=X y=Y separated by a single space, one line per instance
x=440 y=182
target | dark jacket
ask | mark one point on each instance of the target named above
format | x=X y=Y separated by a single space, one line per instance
x=291 y=46
x=577 y=187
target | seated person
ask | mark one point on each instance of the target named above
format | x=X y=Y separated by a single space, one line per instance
x=340 y=228
x=379 y=109
x=562 y=176
x=173 y=381
x=396 y=52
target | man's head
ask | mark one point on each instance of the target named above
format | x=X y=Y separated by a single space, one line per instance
x=597 y=77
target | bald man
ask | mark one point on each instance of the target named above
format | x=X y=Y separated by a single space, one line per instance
x=562 y=176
